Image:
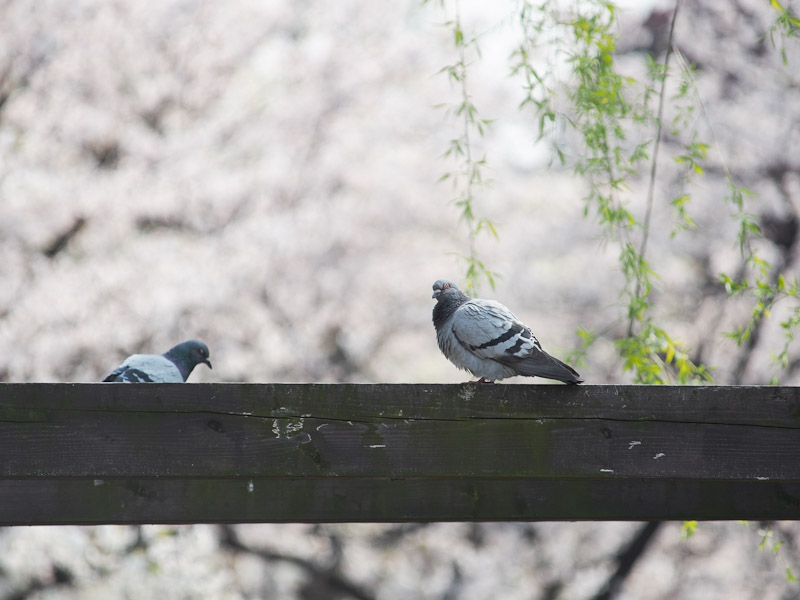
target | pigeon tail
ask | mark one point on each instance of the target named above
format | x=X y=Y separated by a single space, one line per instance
x=113 y=375
x=548 y=367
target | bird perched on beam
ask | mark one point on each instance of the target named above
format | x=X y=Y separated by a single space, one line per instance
x=174 y=366
x=486 y=339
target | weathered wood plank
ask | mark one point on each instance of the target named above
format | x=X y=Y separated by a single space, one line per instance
x=94 y=453
x=170 y=445
x=150 y=444
x=753 y=405
x=345 y=499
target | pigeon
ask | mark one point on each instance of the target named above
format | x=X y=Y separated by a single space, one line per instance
x=486 y=339
x=174 y=366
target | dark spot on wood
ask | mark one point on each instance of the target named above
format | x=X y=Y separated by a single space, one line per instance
x=301 y=438
x=606 y=433
x=316 y=456
x=786 y=498
x=138 y=489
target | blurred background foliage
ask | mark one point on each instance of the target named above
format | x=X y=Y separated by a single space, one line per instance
x=263 y=176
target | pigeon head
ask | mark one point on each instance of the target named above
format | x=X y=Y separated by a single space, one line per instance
x=188 y=355
x=441 y=289
x=448 y=299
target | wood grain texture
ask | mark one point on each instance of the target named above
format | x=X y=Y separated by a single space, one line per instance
x=383 y=499
x=140 y=453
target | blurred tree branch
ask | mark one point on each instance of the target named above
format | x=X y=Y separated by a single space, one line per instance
x=326 y=583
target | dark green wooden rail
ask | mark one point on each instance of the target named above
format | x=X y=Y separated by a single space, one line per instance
x=187 y=453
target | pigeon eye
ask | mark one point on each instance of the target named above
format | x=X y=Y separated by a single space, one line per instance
x=446 y=286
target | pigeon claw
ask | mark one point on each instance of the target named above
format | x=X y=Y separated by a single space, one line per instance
x=482 y=380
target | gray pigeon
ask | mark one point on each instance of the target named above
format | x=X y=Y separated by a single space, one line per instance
x=486 y=339
x=174 y=366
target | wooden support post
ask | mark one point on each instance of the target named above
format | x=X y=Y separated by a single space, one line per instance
x=189 y=453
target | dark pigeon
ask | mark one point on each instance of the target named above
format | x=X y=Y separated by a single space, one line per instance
x=174 y=366
x=486 y=339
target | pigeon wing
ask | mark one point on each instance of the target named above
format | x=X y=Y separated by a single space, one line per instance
x=128 y=374
x=115 y=375
x=540 y=364
x=489 y=330
x=146 y=368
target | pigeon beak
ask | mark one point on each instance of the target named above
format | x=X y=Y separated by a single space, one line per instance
x=436 y=293
x=208 y=362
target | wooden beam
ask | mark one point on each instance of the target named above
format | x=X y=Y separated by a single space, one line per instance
x=167 y=453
